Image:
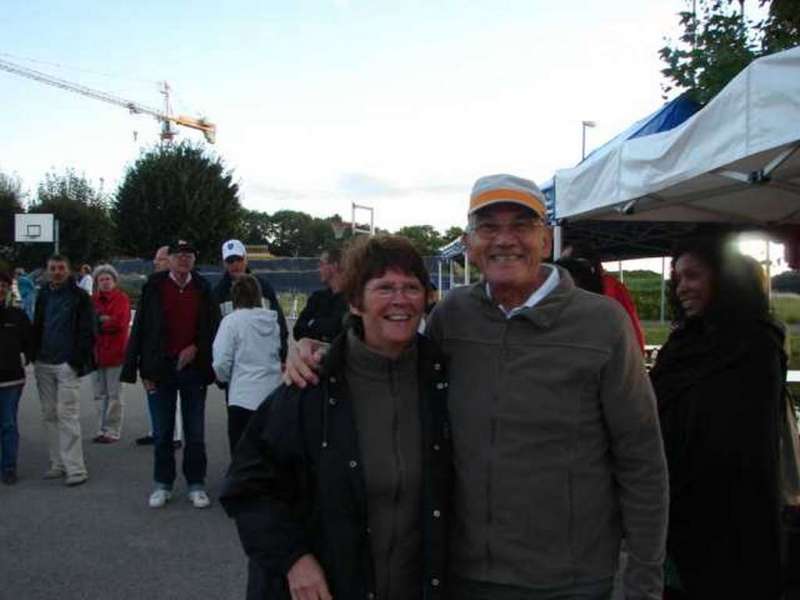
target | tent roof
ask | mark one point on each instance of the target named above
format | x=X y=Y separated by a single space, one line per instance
x=734 y=163
x=669 y=116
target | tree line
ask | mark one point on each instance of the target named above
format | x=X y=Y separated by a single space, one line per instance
x=171 y=191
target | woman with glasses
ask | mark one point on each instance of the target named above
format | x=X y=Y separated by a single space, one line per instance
x=339 y=490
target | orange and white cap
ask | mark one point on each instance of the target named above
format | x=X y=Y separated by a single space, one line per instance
x=494 y=189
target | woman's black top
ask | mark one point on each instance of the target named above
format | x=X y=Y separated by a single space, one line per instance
x=16 y=339
x=720 y=390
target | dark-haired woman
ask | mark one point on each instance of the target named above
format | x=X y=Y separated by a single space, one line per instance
x=247 y=356
x=719 y=382
x=340 y=489
x=16 y=339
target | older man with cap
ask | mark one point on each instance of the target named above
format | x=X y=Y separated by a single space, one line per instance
x=160 y=263
x=170 y=346
x=234 y=258
x=557 y=450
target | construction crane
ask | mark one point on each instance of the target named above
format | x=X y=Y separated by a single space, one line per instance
x=165 y=117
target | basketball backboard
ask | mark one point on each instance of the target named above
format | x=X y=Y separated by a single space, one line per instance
x=33 y=227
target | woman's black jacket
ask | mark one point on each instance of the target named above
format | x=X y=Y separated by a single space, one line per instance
x=720 y=389
x=16 y=338
x=296 y=485
x=146 y=345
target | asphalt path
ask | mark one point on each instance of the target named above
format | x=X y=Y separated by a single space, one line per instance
x=100 y=540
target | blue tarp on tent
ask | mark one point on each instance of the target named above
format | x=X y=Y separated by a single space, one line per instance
x=669 y=116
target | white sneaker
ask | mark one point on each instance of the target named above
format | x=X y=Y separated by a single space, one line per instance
x=199 y=499
x=159 y=498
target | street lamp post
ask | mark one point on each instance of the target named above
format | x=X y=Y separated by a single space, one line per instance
x=584 y=125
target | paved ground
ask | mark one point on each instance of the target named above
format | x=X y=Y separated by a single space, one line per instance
x=100 y=540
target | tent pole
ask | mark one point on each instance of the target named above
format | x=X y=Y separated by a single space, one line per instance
x=663 y=289
x=466 y=268
x=769 y=275
x=558 y=242
x=440 y=279
x=451 y=274
x=621 y=273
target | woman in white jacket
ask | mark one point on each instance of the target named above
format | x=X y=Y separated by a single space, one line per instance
x=247 y=354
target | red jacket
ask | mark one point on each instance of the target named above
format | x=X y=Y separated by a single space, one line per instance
x=613 y=288
x=112 y=338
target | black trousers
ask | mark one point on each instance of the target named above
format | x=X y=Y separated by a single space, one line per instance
x=238 y=418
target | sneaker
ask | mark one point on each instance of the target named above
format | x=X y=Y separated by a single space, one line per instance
x=9 y=477
x=145 y=440
x=76 y=479
x=54 y=473
x=199 y=499
x=159 y=498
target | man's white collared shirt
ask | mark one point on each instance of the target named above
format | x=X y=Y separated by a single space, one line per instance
x=537 y=296
x=178 y=283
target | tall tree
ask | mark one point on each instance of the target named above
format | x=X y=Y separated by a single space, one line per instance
x=781 y=29
x=718 y=41
x=255 y=227
x=177 y=191
x=290 y=233
x=452 y=233
x=86 y=232
x=425 y=238
x=11 y=203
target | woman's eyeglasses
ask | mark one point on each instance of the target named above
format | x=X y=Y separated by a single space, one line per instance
x=387 y=290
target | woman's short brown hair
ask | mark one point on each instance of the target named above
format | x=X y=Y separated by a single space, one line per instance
x=246 y=292
x=368 y=257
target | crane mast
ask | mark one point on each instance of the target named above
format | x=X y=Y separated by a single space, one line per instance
x=164 y=117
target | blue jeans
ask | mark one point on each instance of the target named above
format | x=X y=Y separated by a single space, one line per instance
x=189 y=383
x=9 y=434
x=467 y=589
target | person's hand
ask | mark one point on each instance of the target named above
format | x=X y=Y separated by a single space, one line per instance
x=186 y=356
x=149 y=386
x=307 y=580
x=303 y=360
x=104 y=318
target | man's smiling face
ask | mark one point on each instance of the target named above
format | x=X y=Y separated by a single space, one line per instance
x=508 y=243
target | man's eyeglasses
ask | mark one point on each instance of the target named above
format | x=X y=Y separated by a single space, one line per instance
x=519 y=227
x=387 y=290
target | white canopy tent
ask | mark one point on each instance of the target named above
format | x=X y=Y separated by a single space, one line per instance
x=735 y=162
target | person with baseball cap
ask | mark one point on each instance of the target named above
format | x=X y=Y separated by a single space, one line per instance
x=170 y=347
x=234 y=259
x=557 y=449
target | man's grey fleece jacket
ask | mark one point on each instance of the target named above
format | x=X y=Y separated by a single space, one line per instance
x=558 y=452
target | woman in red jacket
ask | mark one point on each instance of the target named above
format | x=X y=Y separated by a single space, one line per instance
x=114 y=315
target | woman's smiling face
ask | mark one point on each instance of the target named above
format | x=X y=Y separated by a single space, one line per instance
x=694 y=284
x=391 y=308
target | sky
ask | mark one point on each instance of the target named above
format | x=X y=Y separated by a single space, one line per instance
x=395 y=105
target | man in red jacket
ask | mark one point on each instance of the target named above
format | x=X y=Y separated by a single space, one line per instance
x=113 y=311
